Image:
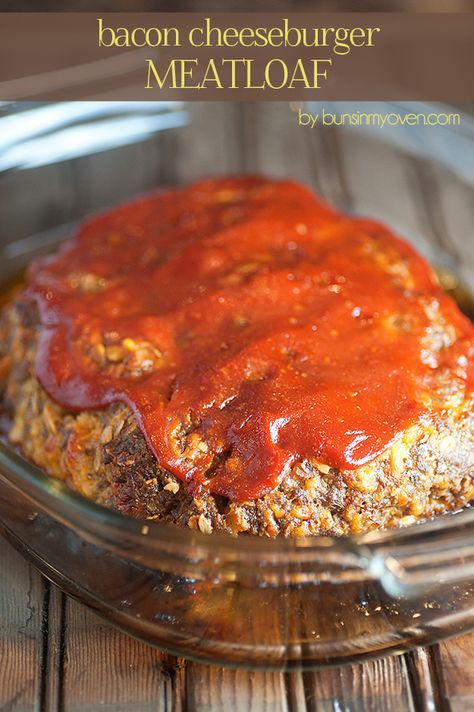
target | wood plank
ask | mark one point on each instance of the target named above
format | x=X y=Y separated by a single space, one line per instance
x=21 y=601
x=105 y=667
x=454 y=201
x=185 y=156
x=423 y=202
x=376 y=685
x=384 y=186
x=453 y=663
x=53 y=649
x=212 y=689
x=273 y=144
x=424 y=682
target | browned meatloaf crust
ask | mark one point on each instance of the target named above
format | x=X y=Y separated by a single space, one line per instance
x=103 y=454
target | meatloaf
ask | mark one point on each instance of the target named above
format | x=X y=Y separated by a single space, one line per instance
x=237 y=356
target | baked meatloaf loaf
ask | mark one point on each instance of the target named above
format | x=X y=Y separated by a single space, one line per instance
x=238 y=356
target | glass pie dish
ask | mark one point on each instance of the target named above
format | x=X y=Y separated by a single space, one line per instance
x=245 y=601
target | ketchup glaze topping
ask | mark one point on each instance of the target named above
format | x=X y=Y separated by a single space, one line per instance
x=249 y=326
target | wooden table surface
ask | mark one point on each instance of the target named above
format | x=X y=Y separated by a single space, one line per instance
x=57 y=656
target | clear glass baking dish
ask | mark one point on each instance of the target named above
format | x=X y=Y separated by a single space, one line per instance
x=248 y=601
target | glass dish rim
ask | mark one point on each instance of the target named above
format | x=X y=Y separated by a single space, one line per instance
x=147 y=532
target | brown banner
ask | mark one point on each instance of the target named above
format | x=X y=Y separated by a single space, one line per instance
x=236 y=56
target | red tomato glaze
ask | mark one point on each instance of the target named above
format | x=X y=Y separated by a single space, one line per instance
x=248 y=325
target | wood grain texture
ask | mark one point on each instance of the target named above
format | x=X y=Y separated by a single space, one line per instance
x=21 y=602
x=57 y=656
x=101 y=665
x=454 y=663
x=378 y=684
